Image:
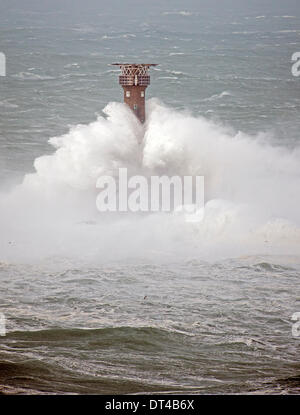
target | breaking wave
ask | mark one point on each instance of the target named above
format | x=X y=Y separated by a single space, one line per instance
x=251 y=191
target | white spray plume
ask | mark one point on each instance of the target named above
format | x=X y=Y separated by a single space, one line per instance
x=252 y=192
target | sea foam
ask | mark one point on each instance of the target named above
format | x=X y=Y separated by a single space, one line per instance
x=251 y=192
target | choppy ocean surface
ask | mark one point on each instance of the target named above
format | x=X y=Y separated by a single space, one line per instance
x=150 y=303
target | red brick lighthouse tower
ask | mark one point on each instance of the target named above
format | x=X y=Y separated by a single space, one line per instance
x=134 y=80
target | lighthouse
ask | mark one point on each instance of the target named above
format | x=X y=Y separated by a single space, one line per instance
x=134 y=79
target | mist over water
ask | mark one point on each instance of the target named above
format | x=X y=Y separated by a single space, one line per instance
x=251 y=197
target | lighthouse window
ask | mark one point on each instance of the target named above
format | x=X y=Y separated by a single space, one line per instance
x=142 y=94
x=127 y=94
